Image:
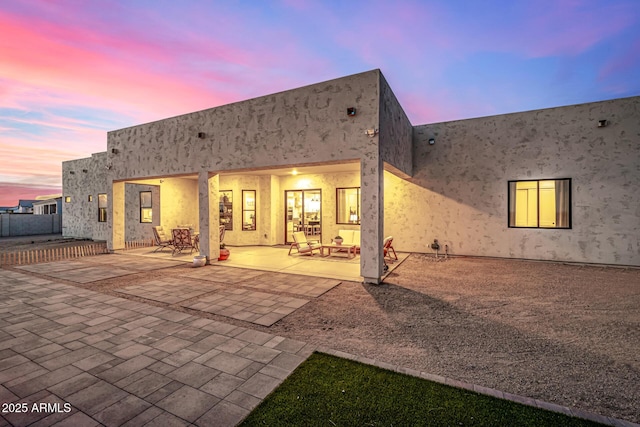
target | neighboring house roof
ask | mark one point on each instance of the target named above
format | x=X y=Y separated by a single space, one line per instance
x=46 y=201
x=26 y=203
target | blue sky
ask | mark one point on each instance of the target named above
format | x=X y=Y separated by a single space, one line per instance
x=71 y=71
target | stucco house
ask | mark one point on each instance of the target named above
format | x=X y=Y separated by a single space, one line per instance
x=554 y=184
x=24 y=206
x=47 y=205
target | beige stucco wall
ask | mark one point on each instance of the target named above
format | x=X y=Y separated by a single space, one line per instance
x=134 y=229
x=263 y=234
x=458 y=193
x=179 y=202
x=304 y=125
x=396 y=132
x=80 y=216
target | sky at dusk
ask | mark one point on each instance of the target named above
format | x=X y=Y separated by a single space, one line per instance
x=70 y=71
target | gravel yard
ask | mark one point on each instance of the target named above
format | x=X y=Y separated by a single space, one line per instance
x=565 y=334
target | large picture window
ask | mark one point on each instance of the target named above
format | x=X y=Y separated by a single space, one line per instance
x=540 y=203
x=348 y=205
x=102 y=208
x=146 y=210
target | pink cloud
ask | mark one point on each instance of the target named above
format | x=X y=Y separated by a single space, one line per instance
x=10 y=194
x=58 y=65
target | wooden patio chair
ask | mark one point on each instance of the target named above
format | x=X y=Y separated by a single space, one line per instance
x=303 y=245
x=387 y=249
x=161 y=238
x=182 y=240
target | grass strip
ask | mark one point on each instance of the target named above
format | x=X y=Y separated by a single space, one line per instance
x=330 y=391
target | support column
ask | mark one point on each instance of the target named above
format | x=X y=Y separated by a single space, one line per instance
x=209 y=216
x=115 y=221
x=372 y=218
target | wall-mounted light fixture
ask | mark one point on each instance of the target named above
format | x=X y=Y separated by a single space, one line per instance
x=72 y=172
x=371 y=132
x=84 y=171
x=161 y=181
x=114 y=151
x=432 y=141
x=351 y=111
x=201 y=135
x=602 y=123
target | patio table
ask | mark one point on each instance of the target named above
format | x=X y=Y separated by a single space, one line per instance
x=351 y=249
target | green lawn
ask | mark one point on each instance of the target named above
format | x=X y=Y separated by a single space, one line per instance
x=330 y=391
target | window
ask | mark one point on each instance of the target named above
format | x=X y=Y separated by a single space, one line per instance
x=226 y=209
x=348 y=205
x=146 y=210
x=102 y=208
x=67 y=199
x=52 y=209
x=248 y=210
x=540 y=204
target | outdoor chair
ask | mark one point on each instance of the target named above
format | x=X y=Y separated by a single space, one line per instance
x=162 y=240
x=182 y=240
x=387 y=248
x=303 y=245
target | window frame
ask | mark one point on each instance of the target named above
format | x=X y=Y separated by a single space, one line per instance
x=102 y=210
x=358 y=195
x=537 y=181
x=143 y=208
x=247 y=209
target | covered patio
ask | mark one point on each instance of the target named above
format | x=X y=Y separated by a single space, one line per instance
x=275 y=258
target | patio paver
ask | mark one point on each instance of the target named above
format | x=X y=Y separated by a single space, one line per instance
x=170 y=291
x=85 y=274
x=137 y=365
x=244 y=304
x=292 y=283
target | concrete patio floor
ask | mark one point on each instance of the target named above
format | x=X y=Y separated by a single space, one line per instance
x=267 y=258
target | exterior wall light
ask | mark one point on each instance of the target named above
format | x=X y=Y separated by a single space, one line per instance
x=351 y=111
x=602 y=123
x=432 y=141
x=201 y=135
x=114 y=151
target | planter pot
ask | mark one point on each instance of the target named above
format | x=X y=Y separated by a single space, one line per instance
x=224 y=254
x=199 y=261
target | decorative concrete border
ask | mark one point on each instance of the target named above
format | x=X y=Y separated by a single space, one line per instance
x=573 y=412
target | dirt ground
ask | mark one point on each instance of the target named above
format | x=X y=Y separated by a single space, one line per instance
x=40 y=241
x=566 y=334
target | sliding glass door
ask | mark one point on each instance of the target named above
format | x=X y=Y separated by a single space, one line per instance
x=303 y=213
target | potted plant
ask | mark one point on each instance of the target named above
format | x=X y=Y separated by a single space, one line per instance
x=338 y=240
x=224 y=252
